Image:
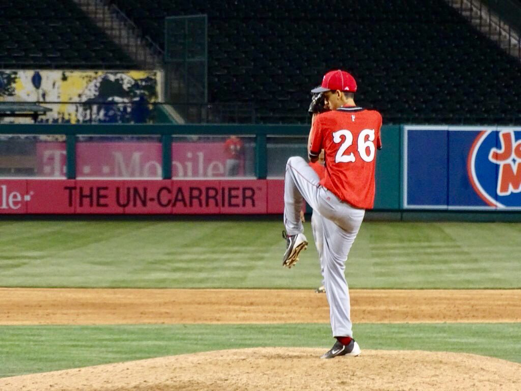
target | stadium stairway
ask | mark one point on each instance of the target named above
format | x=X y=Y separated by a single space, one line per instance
x=122 y=31
x=501 y=23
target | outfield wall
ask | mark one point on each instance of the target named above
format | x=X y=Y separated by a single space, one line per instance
x=200 y=169
x=138 y=197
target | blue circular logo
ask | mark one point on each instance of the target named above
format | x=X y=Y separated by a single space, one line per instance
x=494 y=167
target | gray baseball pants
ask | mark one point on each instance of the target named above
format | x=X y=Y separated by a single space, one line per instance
x=318 y=235
x=340 y=224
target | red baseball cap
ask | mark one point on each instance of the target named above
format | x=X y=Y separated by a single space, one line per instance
x=336 y=80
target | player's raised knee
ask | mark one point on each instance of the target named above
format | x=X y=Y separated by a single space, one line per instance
x=295 y=160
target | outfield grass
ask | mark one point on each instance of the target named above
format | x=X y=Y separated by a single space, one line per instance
x=226 y=253
x=31 y=349
x=247 y=254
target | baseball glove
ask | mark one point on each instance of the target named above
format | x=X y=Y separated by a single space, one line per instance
x=318 y=104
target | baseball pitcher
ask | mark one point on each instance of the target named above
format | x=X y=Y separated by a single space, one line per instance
x=349 y=136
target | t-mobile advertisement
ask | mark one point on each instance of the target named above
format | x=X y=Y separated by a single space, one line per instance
x=47 y=196
x=462 y=168
x=141 y=160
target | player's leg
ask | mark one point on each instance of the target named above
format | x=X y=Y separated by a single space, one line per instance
x=337 y=244
x=235 y=167
x=336 y=249
x=232 y=167
x=300 y=183
x=318 y=236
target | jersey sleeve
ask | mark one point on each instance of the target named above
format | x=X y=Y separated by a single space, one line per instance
x=315 y=139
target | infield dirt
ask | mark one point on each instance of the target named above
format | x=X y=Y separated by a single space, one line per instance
x=171 y=306
x=268 y=368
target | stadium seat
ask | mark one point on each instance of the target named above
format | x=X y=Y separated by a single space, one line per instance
x=415 y=60
x=38 y=33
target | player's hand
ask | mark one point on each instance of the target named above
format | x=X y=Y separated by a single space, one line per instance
x=318 y=104
x=302 y=217
x=322 y=158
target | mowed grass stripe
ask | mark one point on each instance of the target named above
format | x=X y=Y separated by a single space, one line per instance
x=220 y=253
x=31 y=349
x=439 y=255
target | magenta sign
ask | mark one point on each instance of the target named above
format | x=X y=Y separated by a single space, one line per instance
x=199 y=160
x=134 y=160
x=99 y=196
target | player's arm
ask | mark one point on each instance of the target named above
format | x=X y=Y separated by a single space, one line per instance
x=379 y=133
x=314 y=140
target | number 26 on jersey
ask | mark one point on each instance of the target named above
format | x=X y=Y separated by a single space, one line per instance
x=366 y=147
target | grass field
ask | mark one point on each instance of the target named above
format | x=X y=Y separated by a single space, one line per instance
x=244 y=254
x=247 y=254
x=30 y=349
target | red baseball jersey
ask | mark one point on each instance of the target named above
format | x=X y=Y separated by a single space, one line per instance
x=233 y=147
x=349 y=136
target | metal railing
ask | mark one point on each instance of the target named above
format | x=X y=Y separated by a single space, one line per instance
x=137 y=112
x=71 y=134
x=124 y=32
x=508 y=10
x=92 y=113
x=217 y=113
x=500 y=20
x=157 y=53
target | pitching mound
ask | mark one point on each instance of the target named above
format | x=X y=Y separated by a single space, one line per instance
x=285 y=369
